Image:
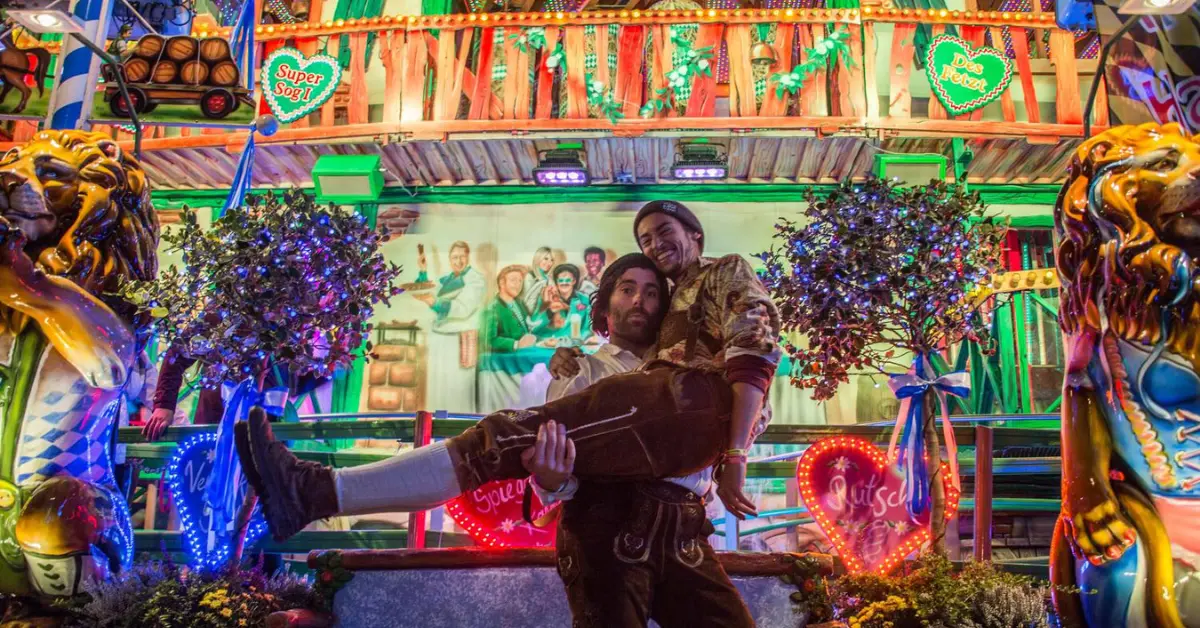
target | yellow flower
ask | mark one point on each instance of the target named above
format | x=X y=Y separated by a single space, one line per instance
x=241 y=622
x=225 y=612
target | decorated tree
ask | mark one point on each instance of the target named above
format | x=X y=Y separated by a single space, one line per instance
x=877 y=273
x=277 y=285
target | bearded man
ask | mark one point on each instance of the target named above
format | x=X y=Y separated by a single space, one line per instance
x=618 y=567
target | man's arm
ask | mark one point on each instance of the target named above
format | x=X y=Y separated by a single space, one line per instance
x=466 y=303
x=750 y=328
x=170 y=378
x=558 y=389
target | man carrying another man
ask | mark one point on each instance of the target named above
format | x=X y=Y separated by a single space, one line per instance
x=619 y=568
x=698 y=402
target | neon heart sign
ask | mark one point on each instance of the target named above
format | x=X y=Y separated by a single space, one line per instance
x=492 y=515
x=858 y=499
x=295 y=85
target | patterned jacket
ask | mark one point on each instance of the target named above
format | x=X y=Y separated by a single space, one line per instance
x=738 y=324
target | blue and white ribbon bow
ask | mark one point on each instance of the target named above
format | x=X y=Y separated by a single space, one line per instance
x=220 y=496
x=908 y=437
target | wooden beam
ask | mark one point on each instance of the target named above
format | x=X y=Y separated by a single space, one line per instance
x=900 y=70
x=1020 y=45
x=1067 y=103
x=1007 y=108
x=574 y=45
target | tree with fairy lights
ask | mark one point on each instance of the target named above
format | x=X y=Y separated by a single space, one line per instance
x=877 y=271
x=279 y=284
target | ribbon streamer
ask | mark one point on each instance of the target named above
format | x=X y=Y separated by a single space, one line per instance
x=221 y=493
x=908 y=437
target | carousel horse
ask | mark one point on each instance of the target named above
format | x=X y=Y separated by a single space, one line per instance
x=75 y=219
x=15 y=65
x=1128 y=539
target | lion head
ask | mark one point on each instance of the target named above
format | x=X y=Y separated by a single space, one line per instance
x=84 y=207
x=1129 y=222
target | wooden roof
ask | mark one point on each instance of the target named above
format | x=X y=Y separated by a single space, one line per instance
x=642 y=160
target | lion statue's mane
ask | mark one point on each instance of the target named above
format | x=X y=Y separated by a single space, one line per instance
x=108 y=231
x=1111 y=262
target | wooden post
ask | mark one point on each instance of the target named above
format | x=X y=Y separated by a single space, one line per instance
x=983 y=492
x=422 y=435
x=933 y=466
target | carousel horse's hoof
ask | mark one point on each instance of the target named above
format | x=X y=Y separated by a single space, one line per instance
x=64 y=531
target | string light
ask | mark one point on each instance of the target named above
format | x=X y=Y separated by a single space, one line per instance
x=816 y=455
x=194 y=535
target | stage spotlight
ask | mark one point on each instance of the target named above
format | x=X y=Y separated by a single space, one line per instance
x=1155 y=7
x=45 y=16
x=699 y=161
x=562 y=166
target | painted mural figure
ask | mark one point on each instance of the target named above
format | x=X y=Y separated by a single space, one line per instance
x=17 y=64
x=507 y=324
x=453 y=339
x=1129 y=222
x=594 y=259
x=75 y=218
x=538 y=278
x=563 y=310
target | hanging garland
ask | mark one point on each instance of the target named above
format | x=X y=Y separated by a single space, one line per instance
x=602 y=97
x=815 y=59
x=697 y=62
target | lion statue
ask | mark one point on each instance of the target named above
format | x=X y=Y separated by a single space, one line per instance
x=1128 y=219
x=75 y=219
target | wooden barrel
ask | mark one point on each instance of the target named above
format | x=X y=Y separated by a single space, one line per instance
x=164 y=72
x=224 y=74
x=181 y=48
x=137 y=70
x=149 y=46
x=194 y=72
x=214 y=49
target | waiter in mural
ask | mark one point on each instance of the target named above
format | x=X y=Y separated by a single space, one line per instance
x=698 y=402
x=507 y=326
x=665 y=572
x=454 y=336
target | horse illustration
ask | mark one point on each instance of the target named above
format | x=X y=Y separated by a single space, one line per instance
x=15 y=66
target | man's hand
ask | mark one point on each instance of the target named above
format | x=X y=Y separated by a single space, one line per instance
x=552 y=459
x=158 y=423
x=425 y=298
x=563 y=363
x=526 y=341
x=730 y=481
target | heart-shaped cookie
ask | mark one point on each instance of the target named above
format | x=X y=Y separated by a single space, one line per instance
x=964 y=78
x=187 y=474
x=858 y=499
x=492 y=515
x=296 y=85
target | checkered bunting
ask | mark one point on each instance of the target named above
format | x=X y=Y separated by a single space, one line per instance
x=80 y=447
x=1152 y=72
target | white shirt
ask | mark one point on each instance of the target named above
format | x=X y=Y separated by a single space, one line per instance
x=608 y=360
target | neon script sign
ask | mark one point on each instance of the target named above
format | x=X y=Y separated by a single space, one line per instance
x=858 y=499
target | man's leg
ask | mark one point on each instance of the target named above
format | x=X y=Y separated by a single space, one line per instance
x=602 y=591
x=640 y=426
x=699 y=597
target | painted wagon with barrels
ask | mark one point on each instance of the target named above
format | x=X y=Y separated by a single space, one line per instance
x=178 y=70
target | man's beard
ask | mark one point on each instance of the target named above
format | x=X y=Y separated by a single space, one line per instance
x=642 y=333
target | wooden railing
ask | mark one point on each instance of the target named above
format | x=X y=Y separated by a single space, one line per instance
x=440 y=75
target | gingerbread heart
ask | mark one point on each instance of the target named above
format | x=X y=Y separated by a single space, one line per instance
x=492 y=515
x=858 y=499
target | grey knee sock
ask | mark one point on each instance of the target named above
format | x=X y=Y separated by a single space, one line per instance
x=419 y=479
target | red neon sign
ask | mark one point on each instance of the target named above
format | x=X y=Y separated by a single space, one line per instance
x=858 y=499
x=492 y=516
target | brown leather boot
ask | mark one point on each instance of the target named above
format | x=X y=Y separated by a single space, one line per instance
x=293 y=492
